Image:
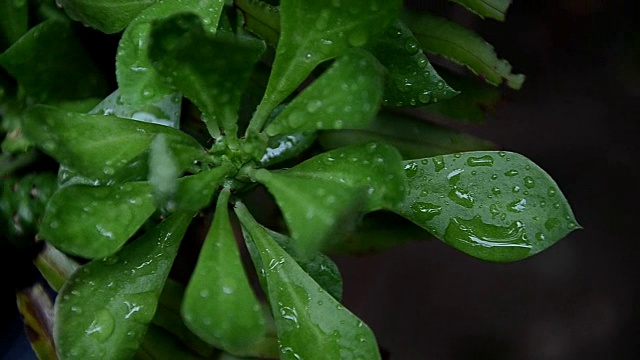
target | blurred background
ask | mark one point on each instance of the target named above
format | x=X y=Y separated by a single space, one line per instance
x=576 y=116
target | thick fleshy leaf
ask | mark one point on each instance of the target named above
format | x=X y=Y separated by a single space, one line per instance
x=413 y=137
x=55 y=266
x=104 y=148
x=328 y=192
x=14 y=16
x=159 y=344
x=347 y=95
x=139 y=82
x=447 y=38
x=313 y=32
x=219 y=305
x=411 y=80
x=95 y=221
x=195 y=191
x=36 y=310
x=285 y=147
x=494 y=9
x=211 y=71
x=108 y=16
x=496 y=206
x=35 y=62
x=165 y=111
x=103 y=311
x=308 y=319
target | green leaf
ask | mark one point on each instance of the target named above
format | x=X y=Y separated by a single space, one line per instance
x=327 y=193
x=450 y=39
x=313 y=32
x=347 y=95
x=308 y=319
x=103 y=311
x=14 y=17
x=165 y=111
x=496 y=206
x=411 y=80
x=159 y=344
x=40 y=60
x=413 y=137
x=163 y=172
x=219 y=305
x=138 y=81
x=55 y=266
x=211 y=72
x=108 y=16
x=93 y=222
x=105 y=148
x=285 y=147
x=261 y=19
x=195 y=192
x=494 y=9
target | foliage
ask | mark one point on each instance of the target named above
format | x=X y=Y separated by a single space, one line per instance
x=124 y=175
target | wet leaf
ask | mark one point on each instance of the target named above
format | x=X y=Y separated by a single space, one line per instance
x=496 y=206
x=103 y=311
x=40 y=60
x=307 y=317
x=315 y=31
x=104 y=148
x=108 y=16
x=36 y=310
x=328 y=192
x=413 y=137
x=330 y=102
x=211 y=71
x=165 y=111
x=284 y=147
x=159 y=344
x=138 y=81
x=494 y=9
x=411 y=79
x=93 y=222
x=450 y=39
x=219 y=305
x=55 y=266
x=195 y=191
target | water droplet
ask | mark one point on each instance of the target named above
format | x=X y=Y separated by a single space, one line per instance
x=529 y=182
x=204 y=293
x=308 y=56
x=517 y=206
x=496 y=191
x=511 y=173
x=314 y=105
x=425 y=97
x=102 y=326
x=475 y=232
x=485 y=160
x=358 y=37
x=411 y=46
x=461 y=197
x=440 y=85
x=540 y=236
x=551 y=192
x=494 y=210
x=424 y=211
x=502 y=153
x=438 y=162
x=411 y=169
x=148 y=93
x=422 y=62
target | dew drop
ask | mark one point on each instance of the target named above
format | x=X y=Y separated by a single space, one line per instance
x=461 y=197
x=102 y=326
x=551 y=192
x=485 y=160
x=425 y=97
x=411 y=46
x=314 y=105
x=424 y=211
x=511 y=173
x=529 y=182
x=540 y=236
x=411 y=169
x=357 y=38
x=438 y=162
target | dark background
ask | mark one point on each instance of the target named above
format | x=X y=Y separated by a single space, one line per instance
x=575 y=117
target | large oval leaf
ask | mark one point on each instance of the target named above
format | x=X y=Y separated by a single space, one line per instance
x=496 y=206
x=308 y=319
x=109 y=16
x=104 y=147
x=103 y=311
x=316 y=31
x=93 y=221
x=219 y=305
x=347 y=95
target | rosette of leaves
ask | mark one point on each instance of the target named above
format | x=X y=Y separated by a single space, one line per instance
x=169 y=161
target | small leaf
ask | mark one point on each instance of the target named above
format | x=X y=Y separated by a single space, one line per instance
x=103 y=311
x=308 y=319
x=211 y=72
x=108 y=16
x=332 y=189
x=450 y=39
x=315 y=31
x=331 y=102
x=55 y=266
x=413 y=137
x=36 y=310
x=35 y=62
x=411 y=79
x=195 y=191
x=165 y=111
x=494 y=9
x=496 y=206
x=91 y=221
x=138 y=81
x=104 y=147
x=284 y=147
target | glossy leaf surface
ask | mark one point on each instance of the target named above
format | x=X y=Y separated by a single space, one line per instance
x=109 y=16
x=447 y=38
x=496 y=206
x=332 y=189
x=219 y=305
x=105 y=148
x=95 y=221
x=315 y=31
x=39 y=61
x=411 y=79
x=414 y=138
x=284 y=147
x=307 y=317
x=104 y=309
x=195 y=191
x=211 y=71
x=139 y=82
x=494 y=9
x=347 y=95
x=165 y=111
